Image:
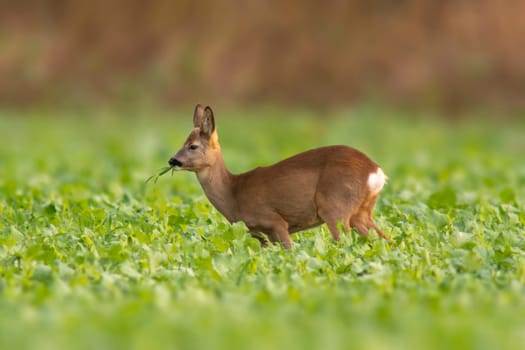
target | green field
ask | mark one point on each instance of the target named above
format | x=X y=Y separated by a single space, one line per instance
x=92 y=257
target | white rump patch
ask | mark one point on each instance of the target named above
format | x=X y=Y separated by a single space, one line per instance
x=376 y=181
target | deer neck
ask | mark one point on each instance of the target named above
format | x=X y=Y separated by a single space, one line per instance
x=217 y=183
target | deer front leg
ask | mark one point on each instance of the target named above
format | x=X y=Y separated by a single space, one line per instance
x=262 y=238
x=331 y=220
x=273 y=226
x=284 y=237
x=277 y=231
x=265 y=239
x=280 y=232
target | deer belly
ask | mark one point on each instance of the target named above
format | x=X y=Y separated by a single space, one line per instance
x=301 y=216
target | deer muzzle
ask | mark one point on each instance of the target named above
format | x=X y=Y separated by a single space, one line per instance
x=174 y=163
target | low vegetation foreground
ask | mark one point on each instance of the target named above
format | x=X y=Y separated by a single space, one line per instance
x=92 y=256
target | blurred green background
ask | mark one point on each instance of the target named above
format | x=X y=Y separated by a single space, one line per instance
x=446 y=55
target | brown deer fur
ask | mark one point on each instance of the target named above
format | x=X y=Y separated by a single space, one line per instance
x=324 y=185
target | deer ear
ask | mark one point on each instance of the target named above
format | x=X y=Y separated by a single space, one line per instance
x=208 y=122
x=197 y=116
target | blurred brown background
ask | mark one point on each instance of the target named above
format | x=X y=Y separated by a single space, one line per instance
x=451 y=55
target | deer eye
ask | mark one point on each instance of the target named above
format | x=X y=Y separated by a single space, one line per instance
x=194 y=147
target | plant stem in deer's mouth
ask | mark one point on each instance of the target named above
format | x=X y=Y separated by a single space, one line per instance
x=161 y=172
x=165 y=170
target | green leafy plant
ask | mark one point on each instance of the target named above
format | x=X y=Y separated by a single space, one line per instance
x=92 y=257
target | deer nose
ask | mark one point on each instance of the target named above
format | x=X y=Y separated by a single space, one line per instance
x=174 y=162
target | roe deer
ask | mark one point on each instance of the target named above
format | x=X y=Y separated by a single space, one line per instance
x=329 y=184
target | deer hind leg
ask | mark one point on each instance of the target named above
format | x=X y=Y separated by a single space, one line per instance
x=332 y=214
x=332 y=227
x=379 y=232
x=362 y=220
x=331 y=217
x=371 y=224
